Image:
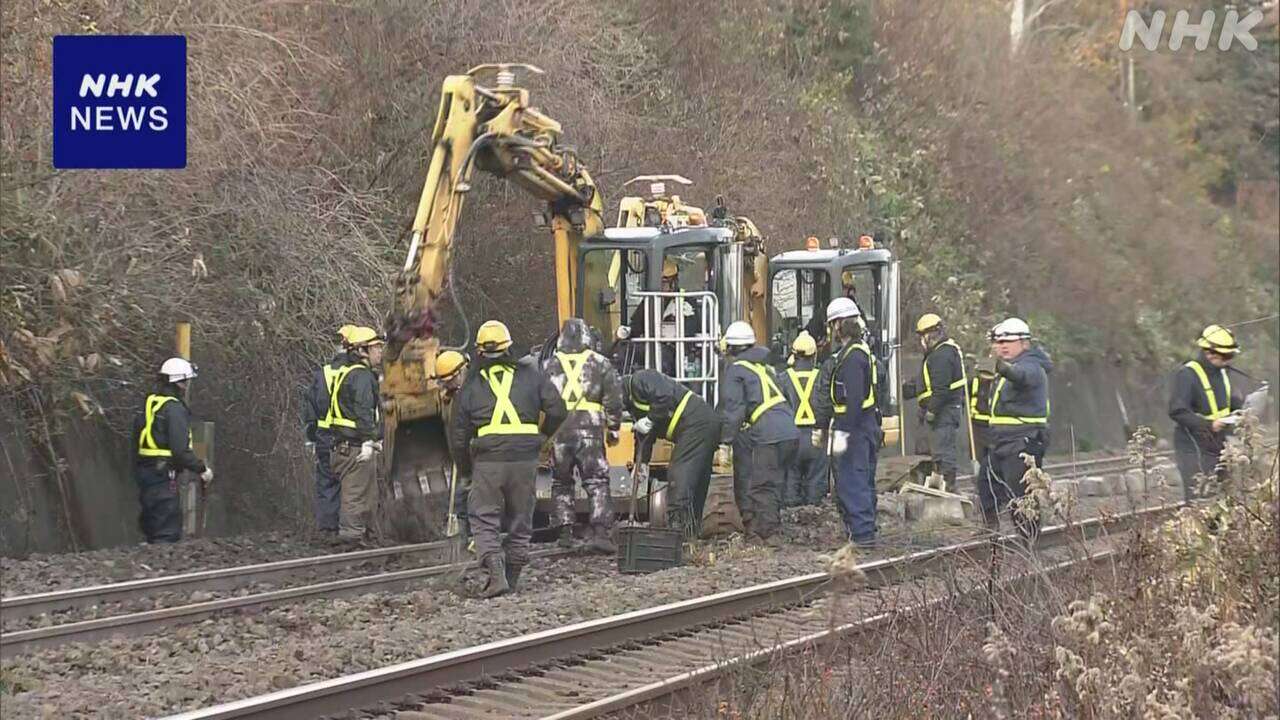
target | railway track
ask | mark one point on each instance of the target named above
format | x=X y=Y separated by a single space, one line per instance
x=582 y=670
x=438 y=558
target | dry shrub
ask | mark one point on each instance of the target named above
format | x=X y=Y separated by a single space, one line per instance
x=1181 y=622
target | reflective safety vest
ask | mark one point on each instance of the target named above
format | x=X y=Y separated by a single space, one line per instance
x=572 y=393
x=975 y=414
x=928 y=383
x=870 y=400
x=330 y=375
x=769 y=391
x=675 y=416
x=997 y=419
x=803 y=382
x=505 y=421
x=147 y=446
x=1216 y=411
x=335 y=418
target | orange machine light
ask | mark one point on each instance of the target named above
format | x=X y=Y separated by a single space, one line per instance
x=811 y=243
x=866 y=243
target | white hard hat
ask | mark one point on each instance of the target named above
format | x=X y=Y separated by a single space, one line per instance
x=1011 y=329
x=841 y=308
x=739 y=333
x=176 y=369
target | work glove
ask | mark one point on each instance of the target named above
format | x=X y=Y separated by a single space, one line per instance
x=309 y=447
x=839 y=442
x=206 y=477
x=367 y=449
x=816 y=439
x=930 y=416
x=643 y=426
x=986 y=368
x=1002 y=366
x=910 y=389
x=612 y=438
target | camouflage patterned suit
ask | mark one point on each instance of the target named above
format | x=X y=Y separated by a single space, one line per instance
x=592 y=394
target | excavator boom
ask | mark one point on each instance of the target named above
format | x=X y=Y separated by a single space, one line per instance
x=496 y=130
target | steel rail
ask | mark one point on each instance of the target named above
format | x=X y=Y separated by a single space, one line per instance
x=666 y=689
x=133 y=624
x=371 y=687
x=230 y=578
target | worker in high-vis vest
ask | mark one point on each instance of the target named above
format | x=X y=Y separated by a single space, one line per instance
x=663 y=408
x=758 y=421
x=940 y=393
x=806 y=476
x=450 y=373
x=980 y=387
x=355 y=420
x=1018 y=426
x=162 y=450
x=496 y=430
x=1201 y=399
x=848 y=383
x=319 y=438
x=592 y=393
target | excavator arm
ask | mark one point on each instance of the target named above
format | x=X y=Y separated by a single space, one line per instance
x=496 y=130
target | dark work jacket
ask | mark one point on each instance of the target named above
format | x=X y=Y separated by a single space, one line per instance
x=846 y=377
x=315 y=399
x=170 y=429
x=802 y=364
x=473 y=408
x=741 y=393
x=1025 y=394
x=945 y=366
x=1188 y=405
x=358 y=399
x=662 y=395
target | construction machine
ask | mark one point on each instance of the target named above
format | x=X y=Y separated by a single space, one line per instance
x=802 y=282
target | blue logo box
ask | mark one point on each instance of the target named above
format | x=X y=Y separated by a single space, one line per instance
x=119 y=101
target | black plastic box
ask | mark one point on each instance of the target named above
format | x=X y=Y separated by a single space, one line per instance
x=645 y=550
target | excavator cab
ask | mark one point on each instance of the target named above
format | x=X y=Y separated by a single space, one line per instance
x=802 y=282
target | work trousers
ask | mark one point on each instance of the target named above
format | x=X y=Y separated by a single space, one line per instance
x=502 y=490
x=944 y=432
x=856 y=487
x=328 y=500
x=160 y=518
x=689 y=474
x=586 y=454
x=757 y=482
x=806 y=482
x=359 y=494
x=1193 y=460
x=1001 y=480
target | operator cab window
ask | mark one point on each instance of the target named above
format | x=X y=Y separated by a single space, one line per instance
x=610 y=280
x=796 y=306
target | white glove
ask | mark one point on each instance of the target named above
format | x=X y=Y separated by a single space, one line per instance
x=839 y=442
x=815 y=438
x=309 y=447
x=207 y=476
x=643 y=426
x=366 y=451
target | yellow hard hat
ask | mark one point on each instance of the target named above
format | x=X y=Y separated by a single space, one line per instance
x=1216 y=338
x=670 y=269
x=804 y=344
x=493 y=336
x=344 y=331
x=449 y=363
x=927 y=322
x=361 y=336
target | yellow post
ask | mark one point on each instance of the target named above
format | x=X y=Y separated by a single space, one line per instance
x=182 y=340
x=566 y=269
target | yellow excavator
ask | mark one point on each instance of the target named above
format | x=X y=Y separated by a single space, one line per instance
x=709 y=266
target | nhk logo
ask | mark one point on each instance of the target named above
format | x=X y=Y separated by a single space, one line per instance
x=119 y=101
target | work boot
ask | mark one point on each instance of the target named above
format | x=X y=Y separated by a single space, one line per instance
x=601 y=542
x=949 y=481
x=496 y=564
x=513 y=576
x=566 y=537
